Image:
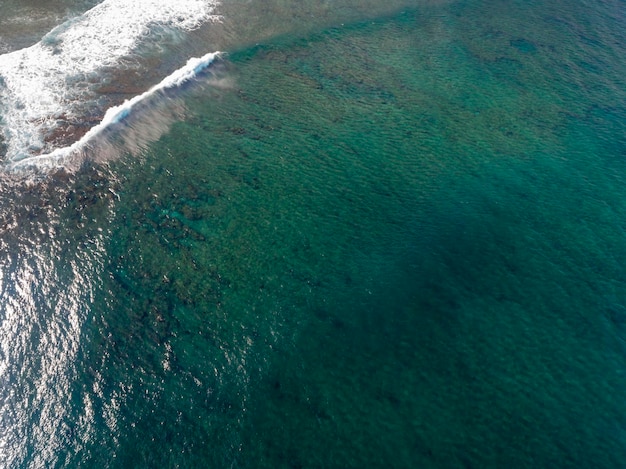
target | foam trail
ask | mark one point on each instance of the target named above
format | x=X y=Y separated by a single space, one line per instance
x=117 y=114
x=53 y=82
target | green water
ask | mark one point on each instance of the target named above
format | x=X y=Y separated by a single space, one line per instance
x=397 y=242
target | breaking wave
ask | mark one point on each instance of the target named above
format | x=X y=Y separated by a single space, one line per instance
x=49 y=100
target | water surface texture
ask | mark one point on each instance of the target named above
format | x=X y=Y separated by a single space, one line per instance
x=363 y=234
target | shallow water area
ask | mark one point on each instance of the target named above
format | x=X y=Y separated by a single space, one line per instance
x=96 y=59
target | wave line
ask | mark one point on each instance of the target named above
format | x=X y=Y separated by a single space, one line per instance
x=117 y=114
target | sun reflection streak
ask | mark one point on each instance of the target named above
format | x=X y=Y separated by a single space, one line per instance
x=47 y=284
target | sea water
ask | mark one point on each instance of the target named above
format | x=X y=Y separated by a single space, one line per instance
x=362 y=235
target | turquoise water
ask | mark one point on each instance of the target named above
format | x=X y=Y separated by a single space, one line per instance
x=393 y=242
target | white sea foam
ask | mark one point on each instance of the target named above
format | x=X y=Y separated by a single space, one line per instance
x=117 y=114
x=52 y=81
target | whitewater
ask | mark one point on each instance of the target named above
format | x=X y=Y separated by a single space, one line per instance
x=49 y=90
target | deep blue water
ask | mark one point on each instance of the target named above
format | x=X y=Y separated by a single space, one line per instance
x=366 y=236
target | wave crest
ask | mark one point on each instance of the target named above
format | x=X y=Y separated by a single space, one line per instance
x=48 y=91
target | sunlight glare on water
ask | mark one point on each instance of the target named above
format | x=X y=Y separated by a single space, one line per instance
x=46 y=287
